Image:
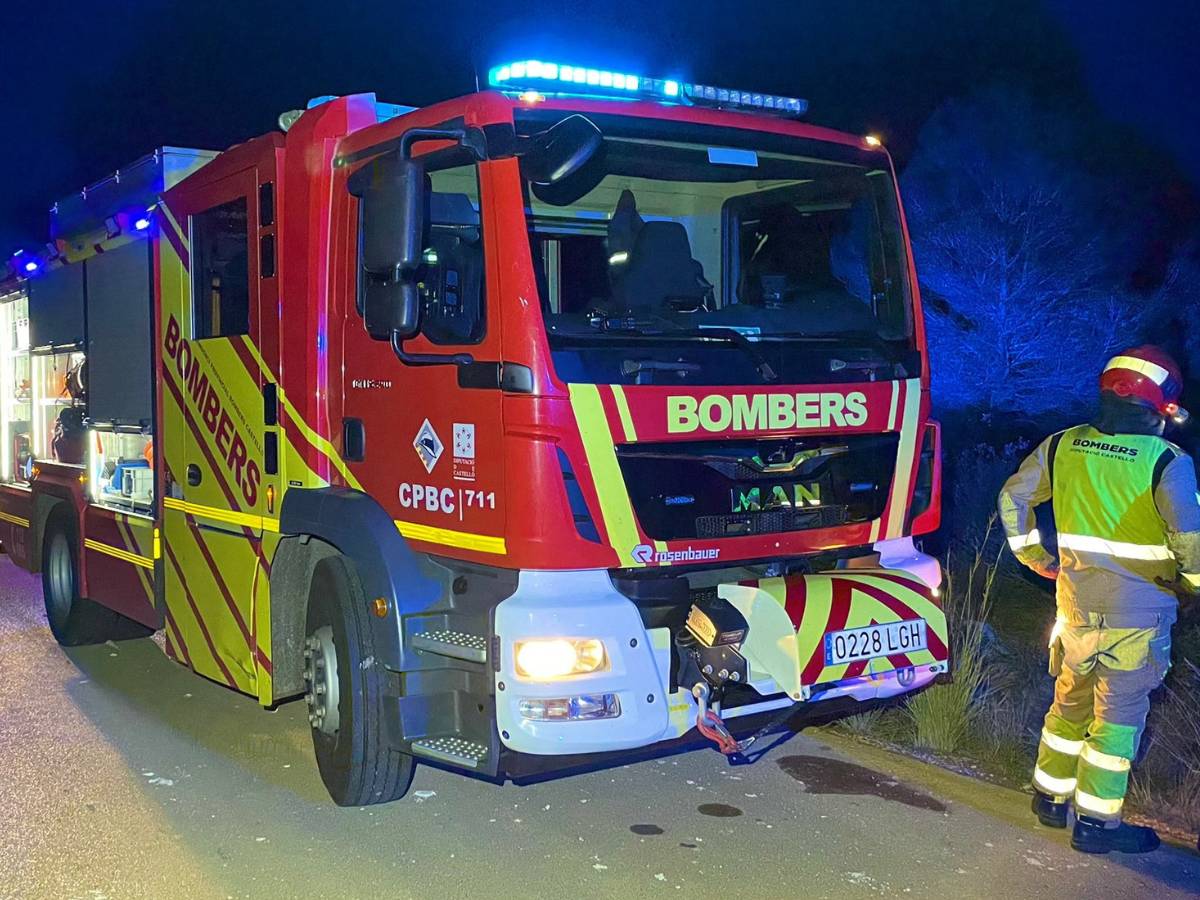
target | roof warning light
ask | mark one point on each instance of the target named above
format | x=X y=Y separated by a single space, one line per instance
x=547 y=78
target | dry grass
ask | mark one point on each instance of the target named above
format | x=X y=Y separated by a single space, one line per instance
x=1166 y=780
x=943 y=716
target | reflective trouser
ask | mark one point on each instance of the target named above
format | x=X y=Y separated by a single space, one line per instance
x=1101 y=698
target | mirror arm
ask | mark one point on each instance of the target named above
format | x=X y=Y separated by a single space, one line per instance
x=429 y=359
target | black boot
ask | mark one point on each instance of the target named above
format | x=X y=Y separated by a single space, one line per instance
x=1049 y=811
x=1092 y=837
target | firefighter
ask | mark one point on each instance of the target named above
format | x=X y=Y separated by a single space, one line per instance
x=1127 y=515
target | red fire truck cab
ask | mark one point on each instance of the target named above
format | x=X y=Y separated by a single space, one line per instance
x=544 y=424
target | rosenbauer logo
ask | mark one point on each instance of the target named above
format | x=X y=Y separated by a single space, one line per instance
x=209 y=409
x=765 y=412
x=645 y=554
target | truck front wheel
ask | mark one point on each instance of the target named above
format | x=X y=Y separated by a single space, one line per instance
x=345 y=693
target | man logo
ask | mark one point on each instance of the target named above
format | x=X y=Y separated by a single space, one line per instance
x=642 y=553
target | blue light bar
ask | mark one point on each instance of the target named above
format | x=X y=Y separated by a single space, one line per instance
x=550 y=78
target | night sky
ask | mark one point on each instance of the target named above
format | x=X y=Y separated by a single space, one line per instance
x=89 y=90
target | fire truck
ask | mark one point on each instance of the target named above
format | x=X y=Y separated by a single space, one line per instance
x=583 y=416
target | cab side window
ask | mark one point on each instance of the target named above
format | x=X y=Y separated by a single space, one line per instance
x=220 y=271
x=452 y=278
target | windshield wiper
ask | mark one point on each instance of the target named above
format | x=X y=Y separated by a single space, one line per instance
x=737 y=339
x=635 y=368
x=728 y=335
x=625 y=328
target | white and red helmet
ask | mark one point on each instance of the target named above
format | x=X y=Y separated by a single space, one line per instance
x=1146 y=375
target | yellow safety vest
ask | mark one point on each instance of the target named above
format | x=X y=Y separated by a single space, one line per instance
x=1103 y=495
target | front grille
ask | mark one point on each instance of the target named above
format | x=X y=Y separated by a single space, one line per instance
x=772 y=522
x=717 y=489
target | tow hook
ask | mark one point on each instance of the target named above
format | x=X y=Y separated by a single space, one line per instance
x=710 y=724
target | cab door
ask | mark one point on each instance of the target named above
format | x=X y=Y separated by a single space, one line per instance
x=219 y=455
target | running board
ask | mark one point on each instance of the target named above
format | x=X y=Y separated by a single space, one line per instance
x=454 y=644
x=452 y=749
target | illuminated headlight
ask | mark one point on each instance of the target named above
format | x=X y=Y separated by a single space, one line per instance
x=571 y=709
x=545 y=659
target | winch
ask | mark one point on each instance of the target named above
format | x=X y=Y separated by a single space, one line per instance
x=710 y=660
x=709 y=644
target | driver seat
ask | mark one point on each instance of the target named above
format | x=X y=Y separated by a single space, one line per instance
x=661 y=276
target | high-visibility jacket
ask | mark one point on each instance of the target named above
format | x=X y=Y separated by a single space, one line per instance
x=1126 y=511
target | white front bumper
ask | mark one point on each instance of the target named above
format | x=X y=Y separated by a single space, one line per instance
x=580 y=604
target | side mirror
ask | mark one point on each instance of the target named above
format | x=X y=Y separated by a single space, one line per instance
x=393 y=218
x=560 y=151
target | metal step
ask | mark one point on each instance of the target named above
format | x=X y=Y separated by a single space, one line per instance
x=452 y=749
x=455 y=644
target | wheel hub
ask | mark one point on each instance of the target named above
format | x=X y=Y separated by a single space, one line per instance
x=321 y=679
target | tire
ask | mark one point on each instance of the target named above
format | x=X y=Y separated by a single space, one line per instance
x=75 y=620
x=357 y=764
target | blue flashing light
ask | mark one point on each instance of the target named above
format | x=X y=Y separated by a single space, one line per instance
x=141 y=223
x=31 y=266
x=533 y=75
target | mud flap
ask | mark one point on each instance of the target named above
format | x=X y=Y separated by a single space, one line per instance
x=790 y=617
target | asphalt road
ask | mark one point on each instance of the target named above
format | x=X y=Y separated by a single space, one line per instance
x=124 y=775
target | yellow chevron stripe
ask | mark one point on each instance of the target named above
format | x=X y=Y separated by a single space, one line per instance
x=127 y=535
x=615 y=508
x=934 y=616
x=323 y=445
x=464 y=540
x=909 y=446
x=117 y=553
x=228 y=516
x=184 y=235
x=16 y=520
x=818 y=607
x=623 y=412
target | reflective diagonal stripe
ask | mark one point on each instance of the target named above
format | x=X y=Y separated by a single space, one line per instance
x=1119 y=549
x=1091 y=803
x=1108 y=761
x=620 y=526
x=1021 y=541
x=15 y=520
x=905 y=459
x=318 y=441
x=623 y=412
x=1062 y=745
x=1153 y=371
x=1052 y=785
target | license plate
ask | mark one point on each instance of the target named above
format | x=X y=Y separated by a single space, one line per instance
x=855 y=644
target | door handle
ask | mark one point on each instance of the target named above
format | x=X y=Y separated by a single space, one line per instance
x=193 y=475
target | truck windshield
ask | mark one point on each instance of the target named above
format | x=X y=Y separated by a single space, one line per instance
x=694 y=255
